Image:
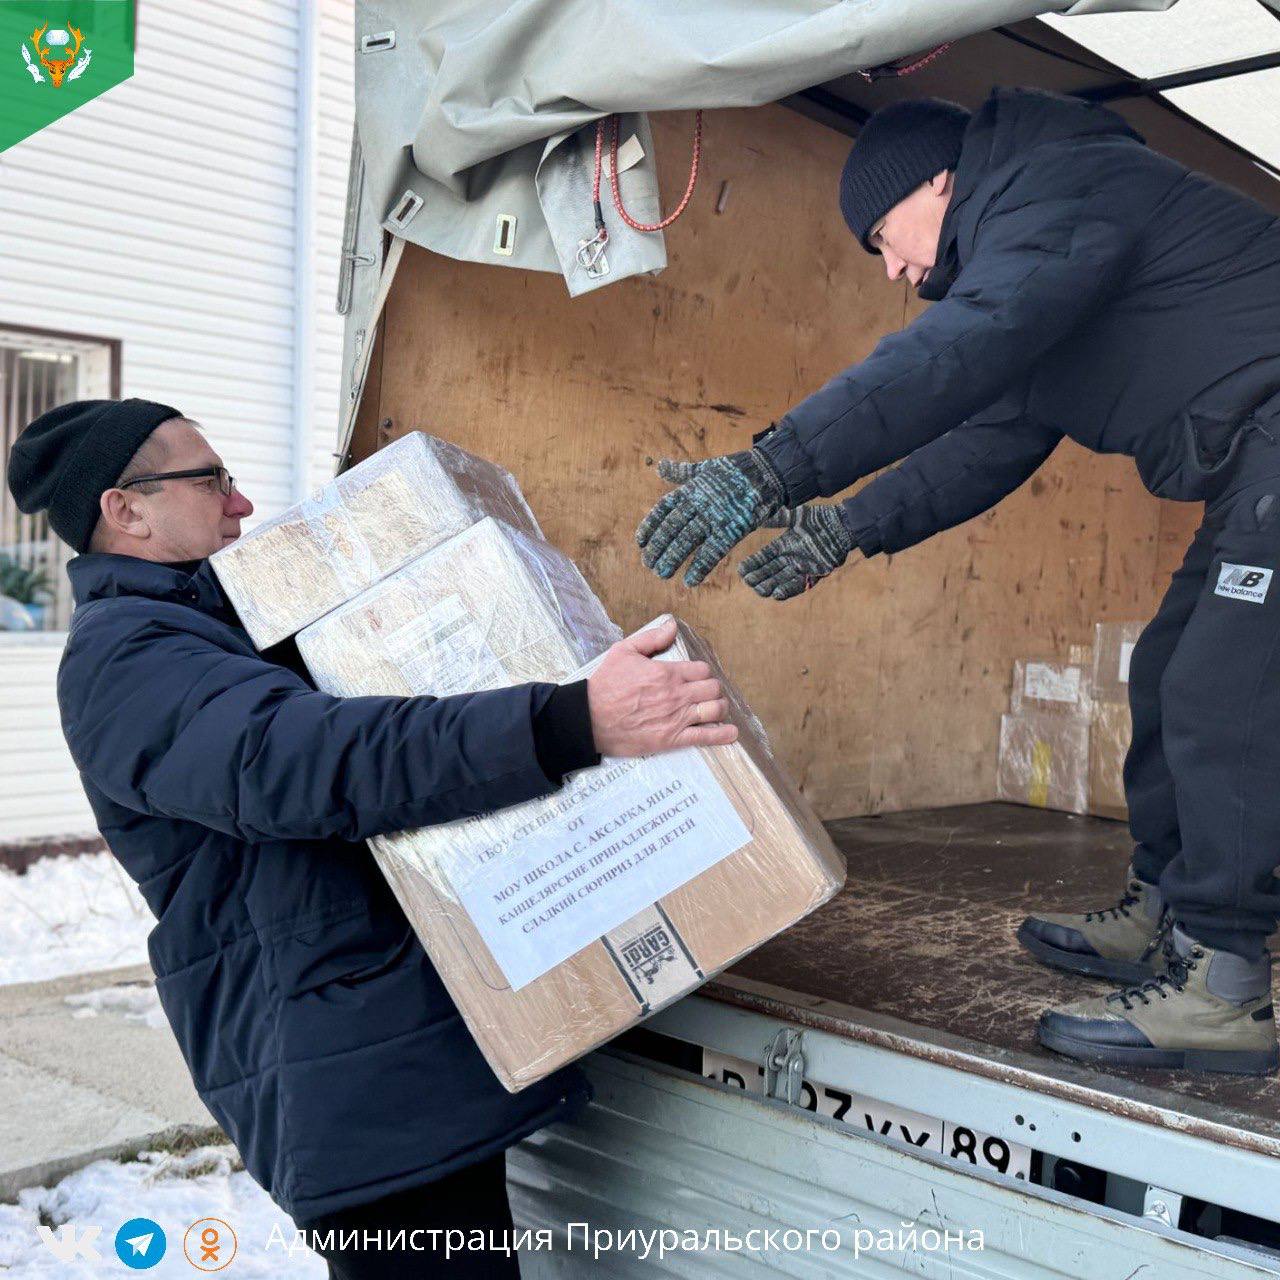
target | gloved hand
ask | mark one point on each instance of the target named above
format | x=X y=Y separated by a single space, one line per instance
x=718 y=503
x=816 y=543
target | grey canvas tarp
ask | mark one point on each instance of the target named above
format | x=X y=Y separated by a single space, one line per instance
x=477 y=109
x=472 y=117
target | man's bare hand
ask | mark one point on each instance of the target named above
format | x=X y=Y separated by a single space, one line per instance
x=640 y=706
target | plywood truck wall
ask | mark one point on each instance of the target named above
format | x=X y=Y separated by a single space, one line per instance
x=883 y=688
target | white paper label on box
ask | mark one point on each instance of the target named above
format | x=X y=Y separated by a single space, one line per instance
x=444 y=651
x=1126 y=654
x=1050 y=683
x=617 y=839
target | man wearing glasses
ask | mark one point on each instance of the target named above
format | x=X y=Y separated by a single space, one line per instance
x=235 y=794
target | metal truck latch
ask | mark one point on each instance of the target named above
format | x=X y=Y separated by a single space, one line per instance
x=1163 y=1206
x=784 y=1066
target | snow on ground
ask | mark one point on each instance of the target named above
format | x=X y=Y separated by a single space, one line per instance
x=139 y=1003
x=78 y=914
x=70 y=914
x=174 y=1190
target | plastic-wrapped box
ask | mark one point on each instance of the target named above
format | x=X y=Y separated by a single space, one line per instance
x=1050 y=687
x=559 y=923
x=1044 y=761
x=486 y=609
x=407 y=498
x=1109 y=736
x=1112 y=649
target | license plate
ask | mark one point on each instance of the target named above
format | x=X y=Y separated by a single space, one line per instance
x=910 y=1129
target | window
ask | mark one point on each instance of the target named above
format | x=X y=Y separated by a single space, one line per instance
x=40 y=369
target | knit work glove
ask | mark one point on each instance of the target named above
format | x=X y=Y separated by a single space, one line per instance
x=717 y=504
x=816 y=543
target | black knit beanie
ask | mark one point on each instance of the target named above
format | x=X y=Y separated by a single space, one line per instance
x=899 y=149
x=66 y=459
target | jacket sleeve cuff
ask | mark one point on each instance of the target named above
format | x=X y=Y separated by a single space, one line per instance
x=865 y=534
x=562 y=737
x=782 y=447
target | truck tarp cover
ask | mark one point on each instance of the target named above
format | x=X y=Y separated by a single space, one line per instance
x=477 y=109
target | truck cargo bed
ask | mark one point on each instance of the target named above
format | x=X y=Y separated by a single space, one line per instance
x=918 y=952
x=876 y=1066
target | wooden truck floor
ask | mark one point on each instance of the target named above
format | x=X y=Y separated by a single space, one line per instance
x=923 y=935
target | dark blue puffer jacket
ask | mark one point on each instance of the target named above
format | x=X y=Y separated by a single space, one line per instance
x=316 y=1029
x=1085 y=286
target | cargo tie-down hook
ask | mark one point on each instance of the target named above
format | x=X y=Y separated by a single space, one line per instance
x=591 y=252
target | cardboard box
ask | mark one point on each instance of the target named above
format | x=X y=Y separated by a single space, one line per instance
x=1112 y=649
x=1047 y=687
x=1044 y=761
x=1109 y=735
x=489 y=608
x=407 y=498
x=560 y=923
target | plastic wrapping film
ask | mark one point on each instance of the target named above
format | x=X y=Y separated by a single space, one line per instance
x=486 y=609
x=1112 y=649
x=1109 y=735
x=1052 y=687
x=559 y=923
x=403 y=500
x=1044 y=761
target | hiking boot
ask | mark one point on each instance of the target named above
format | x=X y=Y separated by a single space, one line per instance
x=1121 y=942
x=1208 y=1011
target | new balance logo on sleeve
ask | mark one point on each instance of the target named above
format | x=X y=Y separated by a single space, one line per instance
x=1243 y=582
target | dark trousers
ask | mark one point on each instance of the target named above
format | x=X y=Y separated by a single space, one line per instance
x=1202 y=776
x=474 y=1199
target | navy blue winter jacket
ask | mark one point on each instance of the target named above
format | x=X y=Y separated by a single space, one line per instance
x=1084 y=286
x=236 y=795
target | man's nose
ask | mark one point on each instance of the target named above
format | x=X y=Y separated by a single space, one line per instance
x=238 y=505
x=893 y=265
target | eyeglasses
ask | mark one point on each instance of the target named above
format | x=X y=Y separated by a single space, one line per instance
x=226 y=481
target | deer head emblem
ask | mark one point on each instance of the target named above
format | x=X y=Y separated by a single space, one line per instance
x=57 y=67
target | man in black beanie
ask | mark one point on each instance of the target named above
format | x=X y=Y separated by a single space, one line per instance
x=1083 y=286
x=239 y=797
x=85 y=464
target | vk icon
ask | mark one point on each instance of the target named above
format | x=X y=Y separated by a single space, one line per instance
x=140 y=1243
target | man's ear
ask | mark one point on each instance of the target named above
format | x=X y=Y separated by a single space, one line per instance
x=940 y=183
x=123 y=515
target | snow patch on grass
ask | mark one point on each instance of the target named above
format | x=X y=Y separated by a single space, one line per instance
x=70 y=914
x=138 y=1002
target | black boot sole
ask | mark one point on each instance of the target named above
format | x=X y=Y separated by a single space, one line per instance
x=1123 y=971
x=1239 y=1062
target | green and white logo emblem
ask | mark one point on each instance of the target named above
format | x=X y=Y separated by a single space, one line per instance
x=62 y=56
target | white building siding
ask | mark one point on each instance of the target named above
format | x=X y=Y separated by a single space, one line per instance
x=167 y=205
x=335 y=68
x=164 y=214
